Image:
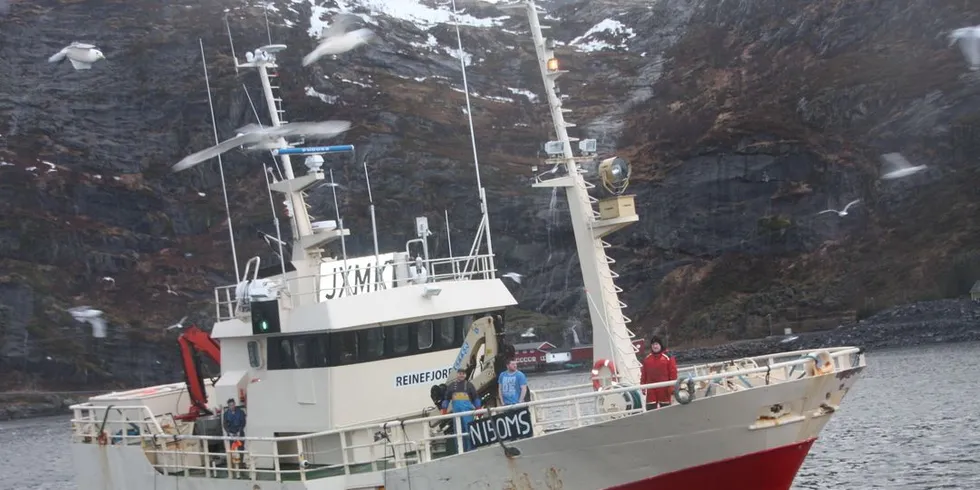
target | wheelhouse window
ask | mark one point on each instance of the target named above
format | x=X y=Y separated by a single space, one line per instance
x=371 y=344
x=343 y=348
x=447 y=333
x=424 y=335
x=363 y=345
x=463 y=324
x=254 y=356
x=400 y=335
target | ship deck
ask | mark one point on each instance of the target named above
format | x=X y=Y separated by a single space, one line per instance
x=170 y=447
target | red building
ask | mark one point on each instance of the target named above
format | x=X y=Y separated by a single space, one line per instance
x=532 y=355
x=583 y=353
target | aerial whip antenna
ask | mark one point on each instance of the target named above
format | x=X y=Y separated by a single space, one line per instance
x=476 y=163
x=275 y=218
x=221 y=167
x=340 y=226
x=374 y=223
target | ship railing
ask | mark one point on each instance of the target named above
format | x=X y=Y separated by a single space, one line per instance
x=332 y=285
x=390 y=444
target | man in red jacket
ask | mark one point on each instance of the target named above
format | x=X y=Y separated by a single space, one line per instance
x=658 y=366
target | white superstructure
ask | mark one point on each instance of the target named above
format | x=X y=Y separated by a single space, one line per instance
x=335 y=357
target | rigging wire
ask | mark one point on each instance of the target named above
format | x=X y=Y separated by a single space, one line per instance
x=476 y=160
x=221 y=168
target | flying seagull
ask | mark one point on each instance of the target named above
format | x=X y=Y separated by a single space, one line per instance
x=969 y=40
x=178 y=325
x=895 y=166
x=513 y=276
x=265 y=137
x=86 y=314
x=843 y=212
x=335 y=39
x=81 y=55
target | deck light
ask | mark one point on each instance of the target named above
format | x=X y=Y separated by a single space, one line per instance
x=553 y=64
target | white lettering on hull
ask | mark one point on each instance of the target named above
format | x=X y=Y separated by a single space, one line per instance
x=508 y=426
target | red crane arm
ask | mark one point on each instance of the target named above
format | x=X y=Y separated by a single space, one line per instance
x=191 y=342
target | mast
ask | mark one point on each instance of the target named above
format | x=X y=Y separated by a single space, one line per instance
x=611 y=338
x=308 y=243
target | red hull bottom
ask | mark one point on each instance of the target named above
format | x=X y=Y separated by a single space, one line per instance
x=772 y=469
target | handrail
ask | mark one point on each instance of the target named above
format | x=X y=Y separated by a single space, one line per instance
x=439 y=270
x=840 y=352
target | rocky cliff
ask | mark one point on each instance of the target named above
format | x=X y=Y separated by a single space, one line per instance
x=742 y=120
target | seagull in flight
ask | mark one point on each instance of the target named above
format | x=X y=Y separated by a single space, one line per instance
x=81 y=55
x=896 y=167
x=177 y=326
x=264 y=137
x=86 y=314
x=336 y=39
x=969 y=40
x=170 y=291
x=513 y=276
x=842 y=212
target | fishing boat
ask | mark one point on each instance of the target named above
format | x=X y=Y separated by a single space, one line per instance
x=341 y=362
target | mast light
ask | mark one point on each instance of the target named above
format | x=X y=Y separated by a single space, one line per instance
x=615 y=174
x=553 y=64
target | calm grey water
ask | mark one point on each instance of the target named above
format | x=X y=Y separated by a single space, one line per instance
x=912 y=423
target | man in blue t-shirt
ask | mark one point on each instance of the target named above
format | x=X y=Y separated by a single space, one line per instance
x=512 y=385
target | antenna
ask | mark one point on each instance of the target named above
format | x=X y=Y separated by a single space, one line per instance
x=221 y=167
x=231 y=42
x=340 y=226
x=476 y=162
x=267 y=30
x=275 y=218
x=374 y=222
x=449 y=239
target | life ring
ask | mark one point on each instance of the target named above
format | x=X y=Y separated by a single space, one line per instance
x=821 y=363
x=102 y=438
x=688 y=384
x=603 y=364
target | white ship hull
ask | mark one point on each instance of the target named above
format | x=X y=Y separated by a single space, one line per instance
x=712 y=443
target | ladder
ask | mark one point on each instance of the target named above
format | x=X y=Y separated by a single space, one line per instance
x=280 y=112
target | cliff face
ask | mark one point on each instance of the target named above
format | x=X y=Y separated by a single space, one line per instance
x=742 y=120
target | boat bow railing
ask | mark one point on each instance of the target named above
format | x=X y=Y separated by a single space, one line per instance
x=412 y=440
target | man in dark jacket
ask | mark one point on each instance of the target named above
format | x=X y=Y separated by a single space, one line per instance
x=658 y=366
x=461 y=397
x=233 y=419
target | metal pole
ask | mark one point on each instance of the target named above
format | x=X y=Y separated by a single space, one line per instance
x=449 y=239
x=340 y=226
x=221 y=168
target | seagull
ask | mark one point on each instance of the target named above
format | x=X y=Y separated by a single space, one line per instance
x=513 y=276
x=257 y=136
x=51 y=165
x=843 y=212
x=109 y=279
x=178 y=325
x=335 y=39
x=81 y=55
x=86 y=314
x=896 y=167
x=969 y=39
x=170 y=291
